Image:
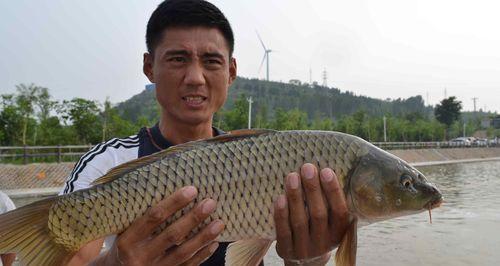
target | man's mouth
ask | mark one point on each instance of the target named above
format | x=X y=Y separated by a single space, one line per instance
x=194 y=100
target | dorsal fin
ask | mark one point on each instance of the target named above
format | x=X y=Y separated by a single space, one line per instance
x=238 y=134
x=122 y=169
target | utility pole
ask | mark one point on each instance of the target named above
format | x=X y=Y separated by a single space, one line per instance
x=474 y=100
x=325 y=78
x=310 y=77
x=464 y=130
x=385 y=129
x=427 y=94
x=250 y=101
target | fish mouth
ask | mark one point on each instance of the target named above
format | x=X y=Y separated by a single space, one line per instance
x=434 y=203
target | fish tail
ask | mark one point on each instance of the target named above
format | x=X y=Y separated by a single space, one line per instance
x=346 y=253
x=25 y=231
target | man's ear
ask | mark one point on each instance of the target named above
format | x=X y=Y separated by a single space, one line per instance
x=147 y=66
x=232 y=70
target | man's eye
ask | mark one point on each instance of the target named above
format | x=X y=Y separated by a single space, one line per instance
x=213 y=62
x=177 y=59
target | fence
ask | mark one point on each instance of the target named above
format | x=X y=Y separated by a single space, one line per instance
x=30 y=154
x=433 y=145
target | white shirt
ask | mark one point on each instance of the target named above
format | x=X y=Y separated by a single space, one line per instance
x=97 y=162
x=6 y=203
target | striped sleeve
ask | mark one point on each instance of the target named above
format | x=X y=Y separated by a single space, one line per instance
x=99 y=160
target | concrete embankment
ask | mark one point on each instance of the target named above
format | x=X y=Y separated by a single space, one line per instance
x=423 y=157
x=47 y=179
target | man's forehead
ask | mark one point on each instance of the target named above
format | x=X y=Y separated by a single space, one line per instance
x=197 y=40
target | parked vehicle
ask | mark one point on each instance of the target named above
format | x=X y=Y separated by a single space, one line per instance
x=480 y=142
x=460 y=142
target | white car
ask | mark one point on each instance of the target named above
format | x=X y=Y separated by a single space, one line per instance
x=461 y=142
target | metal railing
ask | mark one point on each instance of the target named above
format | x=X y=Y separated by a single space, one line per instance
x=432 y=145
x=28 y=154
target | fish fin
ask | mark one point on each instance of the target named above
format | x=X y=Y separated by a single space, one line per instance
x=25 y=231
x=122 y=169
x=346 y=253
x=240 y=133
x=247 y=252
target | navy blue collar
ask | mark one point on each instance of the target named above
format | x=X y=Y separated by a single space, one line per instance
x=163 y=143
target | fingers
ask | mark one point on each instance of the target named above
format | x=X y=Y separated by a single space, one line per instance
x=318 y=212
x=336 y=200
x=190 y=249
x=142 y=227
x=284 y=245
x=175 y=233
x=298 y=215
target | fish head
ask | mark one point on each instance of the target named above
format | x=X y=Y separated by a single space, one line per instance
x=383 y=186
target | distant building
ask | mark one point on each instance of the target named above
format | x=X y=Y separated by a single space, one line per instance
x=295 y=82
x=495 y=122
x=151 y=86
x=485 y=122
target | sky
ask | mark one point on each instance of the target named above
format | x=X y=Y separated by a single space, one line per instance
x=382 y=49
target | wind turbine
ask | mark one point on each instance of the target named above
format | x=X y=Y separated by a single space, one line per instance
x=266 y=56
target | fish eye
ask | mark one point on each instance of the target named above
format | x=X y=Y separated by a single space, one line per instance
x=406 y=181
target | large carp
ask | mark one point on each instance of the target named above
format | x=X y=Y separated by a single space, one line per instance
x=243 y=171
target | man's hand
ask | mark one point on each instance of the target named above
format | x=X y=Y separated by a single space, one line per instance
x=307 y=231
x=137 y=245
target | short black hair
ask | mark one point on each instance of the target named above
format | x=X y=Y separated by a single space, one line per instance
x=186 y=13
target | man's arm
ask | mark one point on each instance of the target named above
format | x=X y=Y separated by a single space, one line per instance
x=8 y=259
x=307 y=232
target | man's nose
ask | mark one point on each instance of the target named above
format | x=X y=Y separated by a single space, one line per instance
x=194 y=75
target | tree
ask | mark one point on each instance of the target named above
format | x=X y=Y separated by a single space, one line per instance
x=28 y=96
x=84 y=117
x=448 y=111
x=237 y=118
x=10 y=122
x=290 y=120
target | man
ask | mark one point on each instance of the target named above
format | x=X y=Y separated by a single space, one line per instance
x=6 y=205
x=190 y=46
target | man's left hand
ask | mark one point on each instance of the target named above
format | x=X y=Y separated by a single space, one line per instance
x=312 y=218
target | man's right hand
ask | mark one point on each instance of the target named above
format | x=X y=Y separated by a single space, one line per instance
x=138 y=246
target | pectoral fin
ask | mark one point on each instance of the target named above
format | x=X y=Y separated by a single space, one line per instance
x=346 y=253
x=247 y=252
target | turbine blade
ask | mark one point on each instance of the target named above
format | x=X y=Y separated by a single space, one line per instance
x=261 y=42
x=263 y=59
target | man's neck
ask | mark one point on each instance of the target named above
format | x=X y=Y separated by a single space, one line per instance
x=177 y=133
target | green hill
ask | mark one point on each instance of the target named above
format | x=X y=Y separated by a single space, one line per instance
x=327 y=102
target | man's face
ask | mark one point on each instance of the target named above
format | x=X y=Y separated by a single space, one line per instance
x=192 y=70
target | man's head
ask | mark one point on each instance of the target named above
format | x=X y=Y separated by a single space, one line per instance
x=190 y=45
x=186 y=13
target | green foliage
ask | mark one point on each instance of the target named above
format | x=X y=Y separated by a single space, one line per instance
x=237 y=117
x=448 y=111
x=84 y=118
x=31 y=117
x=11 y=124
x=293 y=119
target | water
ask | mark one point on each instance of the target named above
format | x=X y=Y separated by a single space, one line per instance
x=465 y=230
